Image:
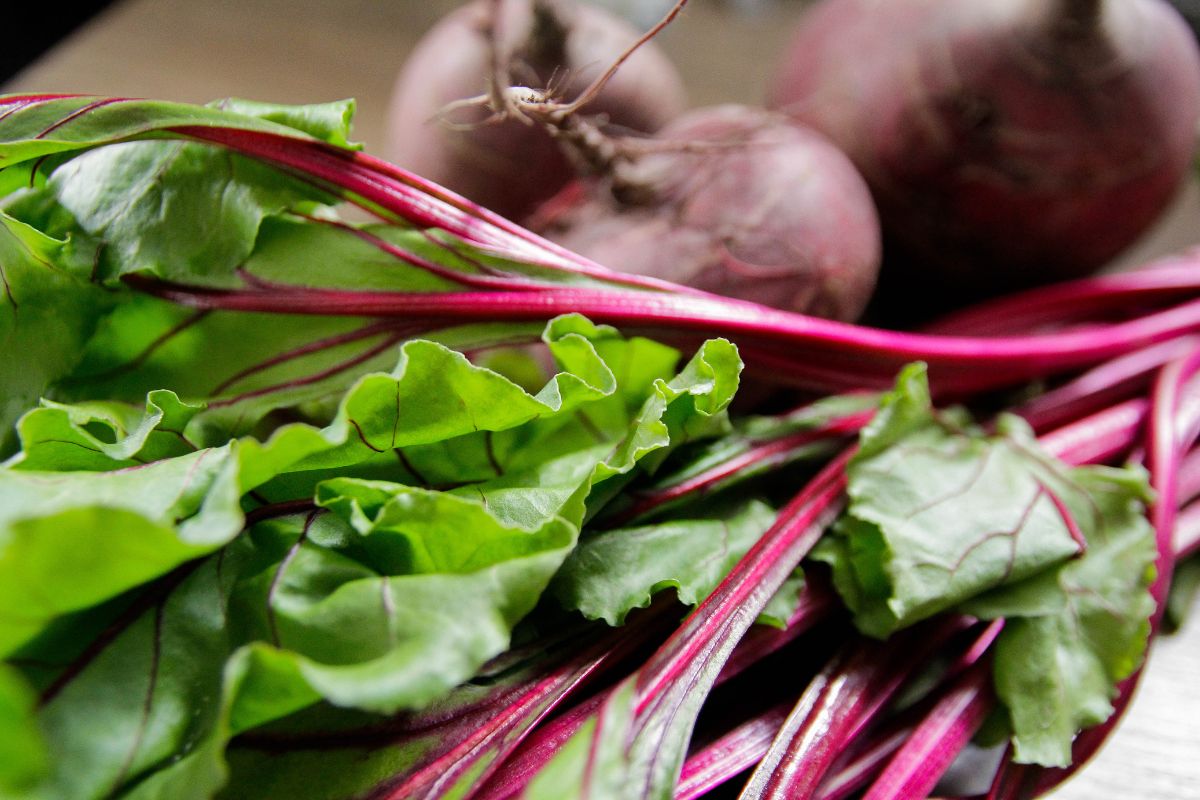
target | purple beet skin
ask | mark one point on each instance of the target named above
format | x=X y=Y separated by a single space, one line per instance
x=1007 y=142
x=737 y=201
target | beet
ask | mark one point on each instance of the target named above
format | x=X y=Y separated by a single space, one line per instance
x=737 y=201
x=511 y=167
x=1007 y=142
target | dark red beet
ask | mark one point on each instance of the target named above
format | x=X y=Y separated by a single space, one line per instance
x=749 y=205
x=512 y=167
x=1007 y=142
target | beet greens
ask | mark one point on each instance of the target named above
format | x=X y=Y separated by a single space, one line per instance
x=375 y=496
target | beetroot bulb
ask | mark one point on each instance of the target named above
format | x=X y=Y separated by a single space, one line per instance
x=733 y=200
x=1007 y=142
x=514 y=165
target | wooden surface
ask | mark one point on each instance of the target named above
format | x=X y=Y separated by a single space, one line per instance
x=308 y=51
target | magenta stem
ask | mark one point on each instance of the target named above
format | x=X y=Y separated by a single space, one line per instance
x=1101 y=386
x=731 y=754
x=710 y=633
x=1187 y=532
x=1060 y=304
x=841 y=701
x=937 y=740
x=382 y=187
x=859 y=771
x=977 y=363
x=490 y=737
x=816 y=602
x=768 y=452
x=1100 y=437
x=1011 y=781
x=867 y=763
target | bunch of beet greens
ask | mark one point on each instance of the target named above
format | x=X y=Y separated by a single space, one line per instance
x=296 y=506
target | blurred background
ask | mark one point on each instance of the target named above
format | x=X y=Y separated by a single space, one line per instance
x=304 y=51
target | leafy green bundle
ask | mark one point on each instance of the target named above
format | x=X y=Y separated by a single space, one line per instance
x=300 y=506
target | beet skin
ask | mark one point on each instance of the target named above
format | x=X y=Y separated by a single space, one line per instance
x=512 y=167
x=1007 y=142
x=736 y=201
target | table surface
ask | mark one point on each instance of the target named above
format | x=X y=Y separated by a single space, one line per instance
x=300 y=51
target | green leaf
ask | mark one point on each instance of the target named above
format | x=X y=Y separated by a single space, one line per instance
x=943 y=517
x=66 y=124
x=184 y=210
x=102 y=435
x=434 y=394
x=70 y=540
x=386 y=603
x=939 y=513
x=1057 y=664
x=148 y=694
x=47 y=312
x=906 y=409
x=187 y=212
x=614 y=572
x=329 y=122
x=297 y=250
x=23 y=757
x=381 y=633
x=444 y=584
x=449 y=421
x=229 y=361
x=180 y=210
x=50 y=518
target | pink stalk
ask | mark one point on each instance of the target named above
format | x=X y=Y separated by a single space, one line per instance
x=760 y=455
x=785 y=370
x=1100 y=437
x=1102 y=386
x=481 y=742
x=973 y=363
x=865 y=764
x=988 y=363
x=1187 y=532
x=1189 y=477
x=398 y=194
x=710 y=633
x=1163 y=282
x=837 y=706
x=393 y=193
x=731 y=754
x=515 y=773
x=1011 y=781
x=816 y=602
x=937 y=740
